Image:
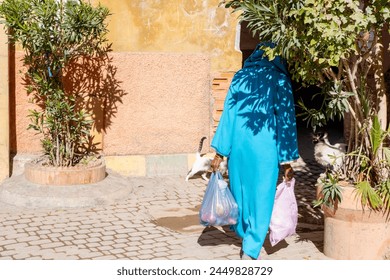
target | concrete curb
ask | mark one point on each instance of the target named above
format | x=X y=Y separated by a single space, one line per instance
x=19 y=192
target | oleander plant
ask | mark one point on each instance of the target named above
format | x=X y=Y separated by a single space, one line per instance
x=54 y=34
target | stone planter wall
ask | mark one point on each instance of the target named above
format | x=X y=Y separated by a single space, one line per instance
x=351 y=233
x=60 y=176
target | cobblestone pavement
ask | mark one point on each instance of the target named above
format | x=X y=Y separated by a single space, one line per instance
x=157 y=219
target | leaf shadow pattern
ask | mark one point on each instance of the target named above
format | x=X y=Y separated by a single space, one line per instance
x=93 y=81
x=253 y=98
x=260 y=96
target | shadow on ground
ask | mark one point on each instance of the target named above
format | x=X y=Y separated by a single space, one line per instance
x=212 y=236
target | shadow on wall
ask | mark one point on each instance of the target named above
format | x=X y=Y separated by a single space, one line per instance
x=93 y=81
x=12 y=100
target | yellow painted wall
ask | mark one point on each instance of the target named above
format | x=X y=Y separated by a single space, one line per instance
x=163 y=50
x=175 y=26
x=4 y=107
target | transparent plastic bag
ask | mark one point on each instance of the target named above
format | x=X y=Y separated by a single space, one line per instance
x=219 y=207
x=284 y=217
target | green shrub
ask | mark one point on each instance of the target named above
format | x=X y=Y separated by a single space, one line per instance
x=55 y=34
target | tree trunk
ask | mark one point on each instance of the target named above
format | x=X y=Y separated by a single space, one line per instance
x=380 y=88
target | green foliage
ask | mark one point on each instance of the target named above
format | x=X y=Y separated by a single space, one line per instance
x=331 y=192
x=335 y=104
x=336 y=45
x=55 y=33
x=386 y=151
x=384 y=194
x=368 y=195
x=312 y=35
x=377 y=135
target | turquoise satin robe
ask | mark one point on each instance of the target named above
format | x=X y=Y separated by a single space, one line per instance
x=257 y=132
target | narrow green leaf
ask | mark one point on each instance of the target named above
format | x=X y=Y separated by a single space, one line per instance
x=376 y=140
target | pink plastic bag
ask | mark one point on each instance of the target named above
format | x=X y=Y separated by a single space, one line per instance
x=284 y=217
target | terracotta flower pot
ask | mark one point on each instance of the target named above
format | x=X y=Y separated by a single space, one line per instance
x=62 y=176
x=354 y=233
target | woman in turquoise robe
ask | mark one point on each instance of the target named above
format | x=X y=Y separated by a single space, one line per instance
x=257 y=133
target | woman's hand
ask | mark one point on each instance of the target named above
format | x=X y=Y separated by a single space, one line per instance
x=216 y=162
x=288 y=172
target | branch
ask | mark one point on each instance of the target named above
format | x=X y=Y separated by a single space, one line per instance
x=331 y=73
x=321 y=78
x=353 y=114
x=340 y=67
x=354 y=90
x=326 y=74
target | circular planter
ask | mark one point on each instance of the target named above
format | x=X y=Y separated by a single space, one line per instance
x=354 y=233
x=37 y=173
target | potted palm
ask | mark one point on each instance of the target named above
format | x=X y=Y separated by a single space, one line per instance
x=336 y=45
x=54 y=35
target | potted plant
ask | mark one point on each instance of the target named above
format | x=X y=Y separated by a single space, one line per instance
x=336 y=45
x=54 y=35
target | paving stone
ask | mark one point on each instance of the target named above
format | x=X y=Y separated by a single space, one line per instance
x=74 y=224
x=145 y=256
x=52 y=245
x=121 y=240
x=105 y=248
x=93 y=239
x=42 y=232
x=16 y=246
x=80 y=236
x=124 y=229
x=69 y=233
x=10 y=223
x=31 y=229
x=97 y=230
x=21 y=256
x=7 y=242
x=20 y=226
x=28 y=238
x=16 y=235
x=54 y=235
x=90 y=255
x=93 y=245
x=107 y=237
x=8 y=253
x=95 y=235
x=86 y=226
x=119 y=245
x=83 y=231
x=106 y=257
x=79 y=241
x=39 y=241
x=117 y=251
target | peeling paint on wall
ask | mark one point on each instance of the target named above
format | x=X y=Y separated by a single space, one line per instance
x=175 y=26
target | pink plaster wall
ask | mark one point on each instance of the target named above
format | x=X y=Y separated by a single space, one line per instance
x=166 y=106
x=21 y=139
x=152 y=103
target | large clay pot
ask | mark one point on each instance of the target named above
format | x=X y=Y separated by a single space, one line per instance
x=354 y=233
x=62 y=176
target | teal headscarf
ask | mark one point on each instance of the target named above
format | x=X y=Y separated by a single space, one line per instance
x=257 y=58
